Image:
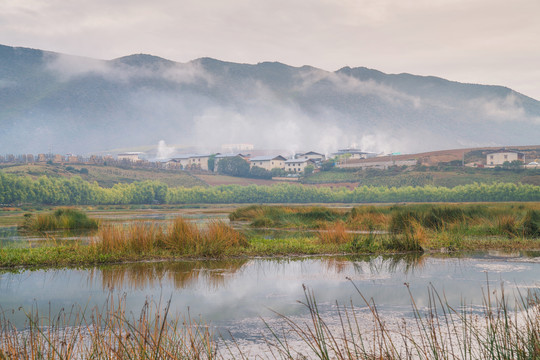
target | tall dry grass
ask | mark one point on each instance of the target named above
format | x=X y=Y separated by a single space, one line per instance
x=107 y=333
x=180 y=236
x=137 y=237
x=436 y=330
x=335 y=233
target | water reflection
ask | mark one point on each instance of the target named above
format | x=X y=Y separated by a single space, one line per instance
x=236 y=293
x=377 y=264
x=214 y=274
x=180 y=274
x=14 y=237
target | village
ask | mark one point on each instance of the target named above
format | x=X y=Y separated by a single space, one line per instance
x=291 y=167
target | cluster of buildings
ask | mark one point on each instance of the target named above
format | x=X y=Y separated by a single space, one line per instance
x=297 y=164
x=294 y=165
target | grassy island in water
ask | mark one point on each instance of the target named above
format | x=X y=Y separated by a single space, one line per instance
x=309 y=230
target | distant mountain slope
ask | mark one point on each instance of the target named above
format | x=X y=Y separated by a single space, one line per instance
x=75 y=104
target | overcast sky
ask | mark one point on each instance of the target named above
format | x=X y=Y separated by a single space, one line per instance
x=476 y=41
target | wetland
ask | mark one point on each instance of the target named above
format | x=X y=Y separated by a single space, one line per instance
x=244 y=300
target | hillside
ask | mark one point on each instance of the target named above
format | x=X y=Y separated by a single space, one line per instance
x=73 y=104
x=105 y=176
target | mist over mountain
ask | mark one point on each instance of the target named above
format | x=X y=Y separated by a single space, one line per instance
x=83 y=105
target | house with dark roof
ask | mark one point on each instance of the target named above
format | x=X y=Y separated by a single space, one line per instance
x=312 y=155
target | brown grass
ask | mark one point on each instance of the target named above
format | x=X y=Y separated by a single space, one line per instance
x=107 y=333
x=368 y=221
x=137 y=237
x=335 y=233
x=180 y=237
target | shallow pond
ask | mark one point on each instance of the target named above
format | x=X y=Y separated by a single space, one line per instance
x=233 y=295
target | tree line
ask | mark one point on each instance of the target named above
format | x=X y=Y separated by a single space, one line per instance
x=16 y=190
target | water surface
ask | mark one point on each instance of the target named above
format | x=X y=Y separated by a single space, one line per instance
x=233 y=295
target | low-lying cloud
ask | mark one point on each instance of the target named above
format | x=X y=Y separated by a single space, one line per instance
x=68 y=67
x=204 y=104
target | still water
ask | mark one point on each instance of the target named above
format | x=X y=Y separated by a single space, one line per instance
x=233 y=295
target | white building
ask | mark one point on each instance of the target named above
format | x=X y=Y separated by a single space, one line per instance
x=298 y=165
x=497 y=158
x=268 y=162
x=130 y=156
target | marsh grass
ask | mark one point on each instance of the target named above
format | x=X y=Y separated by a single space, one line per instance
x=137 y=237
x=334 y=234
x=180 y=237
x=429 y=223
x=288 y=216
x=501 y=328
x=438 y=331
x=61 y=218
x=107 y=333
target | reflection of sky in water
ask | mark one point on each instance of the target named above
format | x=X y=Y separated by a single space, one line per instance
x=12 y=237
x=237 y=293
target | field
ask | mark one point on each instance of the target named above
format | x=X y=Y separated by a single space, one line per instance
x=105 y=176
x=216 y=180
x=446 y=176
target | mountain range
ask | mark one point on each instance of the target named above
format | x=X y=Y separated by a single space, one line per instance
x=65 y=103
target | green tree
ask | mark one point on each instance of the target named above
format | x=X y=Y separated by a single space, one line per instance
x=234 y=166
x=259 y=173
x=309 y=170
x=277 y=172
x=212 y=162
x=328 y=165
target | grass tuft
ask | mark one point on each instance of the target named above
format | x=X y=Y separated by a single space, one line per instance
x=61 y=218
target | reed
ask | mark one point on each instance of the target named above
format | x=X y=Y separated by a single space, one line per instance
x=219 y=238
x=421 y=221
x=531 y=223
x=507 y=225
x=138 y=237
x=107 y=333
x=435 y=331
x=334 y=234
x=288 y=217
x=181 y=237
x=438 y=332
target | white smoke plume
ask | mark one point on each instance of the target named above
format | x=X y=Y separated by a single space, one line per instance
x=164 y=151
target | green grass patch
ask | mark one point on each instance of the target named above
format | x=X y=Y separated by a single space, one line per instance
x=307 y=217
x=61 y=218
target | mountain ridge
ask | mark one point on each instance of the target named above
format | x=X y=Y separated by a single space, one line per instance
x=81 y=104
